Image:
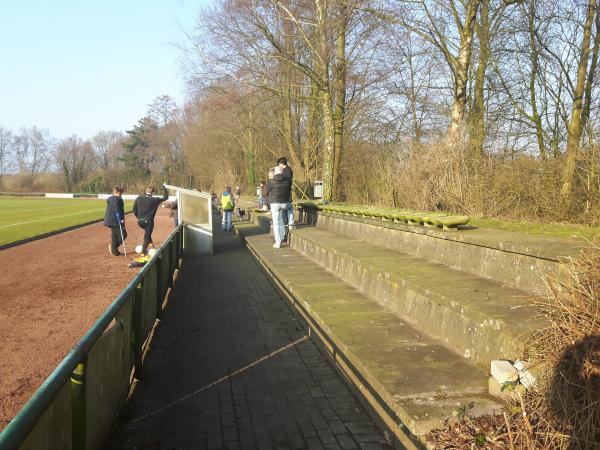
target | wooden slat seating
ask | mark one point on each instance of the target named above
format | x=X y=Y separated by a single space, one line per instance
x=418 y=218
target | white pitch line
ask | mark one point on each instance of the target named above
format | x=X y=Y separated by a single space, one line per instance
x=48 y=218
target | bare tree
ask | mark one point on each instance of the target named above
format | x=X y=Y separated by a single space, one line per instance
x=76 y=159
x=107 y=145
x=33 y=148
x=6 y=151
x=575 y=123
x=449 y=26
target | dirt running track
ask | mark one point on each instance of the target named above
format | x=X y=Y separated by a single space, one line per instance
x=51 y=292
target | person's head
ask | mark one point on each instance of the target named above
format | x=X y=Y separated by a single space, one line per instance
x=271 y=173
x=278 y=170
x=150 y=190
x=118 y=191
x=262 y=183
x=282 y=162
x=227 y=188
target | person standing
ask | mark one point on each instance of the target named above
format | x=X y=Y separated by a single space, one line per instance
x=263 y=199
x=280 y=189
x=228 y=205
x=173 y=212
x=114 y=218
x=236 y=201
x=144 y=209
x=288 y=174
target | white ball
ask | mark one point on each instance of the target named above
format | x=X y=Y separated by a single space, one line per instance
x=138 y=249
x=152 y=251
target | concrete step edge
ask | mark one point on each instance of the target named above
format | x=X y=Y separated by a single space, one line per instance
x=417 y=428
x=521 y=269
x=380 y=289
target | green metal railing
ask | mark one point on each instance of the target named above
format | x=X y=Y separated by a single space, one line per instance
x=76 y=405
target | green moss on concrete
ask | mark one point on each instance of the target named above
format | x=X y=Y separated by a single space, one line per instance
x=562 y=230
x=416 y=376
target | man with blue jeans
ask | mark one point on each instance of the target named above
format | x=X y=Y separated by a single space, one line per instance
x=280 y=189
x=287 y=173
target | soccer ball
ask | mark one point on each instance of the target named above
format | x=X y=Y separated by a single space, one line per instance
x=152 y=252
x=138 y=249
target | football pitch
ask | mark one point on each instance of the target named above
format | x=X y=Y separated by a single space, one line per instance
x=22 y=218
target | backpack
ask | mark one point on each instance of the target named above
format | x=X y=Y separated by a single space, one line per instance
x=226 y=202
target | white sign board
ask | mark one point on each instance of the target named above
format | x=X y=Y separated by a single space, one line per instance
x=194 y=211
x=318 y=190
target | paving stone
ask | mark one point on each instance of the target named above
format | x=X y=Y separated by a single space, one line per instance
x=346 y=442
x=313 y=444
x=222 y=325
x=326 y=436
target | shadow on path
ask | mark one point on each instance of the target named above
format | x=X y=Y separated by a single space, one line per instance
x=231 y=367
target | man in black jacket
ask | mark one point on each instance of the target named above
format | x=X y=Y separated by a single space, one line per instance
x=280 y=189
x=114 y=218
x=144 y=208
x=288 y=174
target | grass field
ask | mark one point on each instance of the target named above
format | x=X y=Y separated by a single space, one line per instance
x=22 y=218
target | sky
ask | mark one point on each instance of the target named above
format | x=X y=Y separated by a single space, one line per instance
x=80 y=66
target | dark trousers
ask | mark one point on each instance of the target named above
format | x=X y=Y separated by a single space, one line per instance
x=115 y=238
x=148 y=229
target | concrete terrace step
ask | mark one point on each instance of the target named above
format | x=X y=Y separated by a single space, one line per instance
x=411 y=380
x=475 y=317
x=515 y=259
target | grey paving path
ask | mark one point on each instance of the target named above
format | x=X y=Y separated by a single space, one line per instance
x=230 y=367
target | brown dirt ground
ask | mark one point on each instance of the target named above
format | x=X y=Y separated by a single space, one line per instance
x=51 y=292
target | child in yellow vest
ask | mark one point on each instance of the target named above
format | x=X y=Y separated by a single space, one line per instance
x=227 y=204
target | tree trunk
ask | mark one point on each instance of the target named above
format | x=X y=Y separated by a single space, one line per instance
x=340 y=93
x=313 y=132
x=535 y=115
x=250 y=168
x=322 y=62
x=460 y=68
x=328 y=146
x=589 y=84
x=477 y=132
x=574 y=129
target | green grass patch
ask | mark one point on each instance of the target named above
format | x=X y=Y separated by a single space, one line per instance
x=22 y=218
x=547 y=229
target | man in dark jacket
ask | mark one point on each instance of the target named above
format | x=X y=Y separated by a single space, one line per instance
x=114 y=218
x=144 y=208
x=288 y=174
x=280 y=189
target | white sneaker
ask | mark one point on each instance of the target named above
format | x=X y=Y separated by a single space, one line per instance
x=277 y=245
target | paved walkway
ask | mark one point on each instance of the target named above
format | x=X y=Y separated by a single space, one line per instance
x=230 y=367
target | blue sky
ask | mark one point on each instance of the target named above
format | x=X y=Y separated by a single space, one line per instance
x=76 y=67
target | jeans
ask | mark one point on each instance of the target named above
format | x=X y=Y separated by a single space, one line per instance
x=289 y=209
x=226 y=222
x=278 y=225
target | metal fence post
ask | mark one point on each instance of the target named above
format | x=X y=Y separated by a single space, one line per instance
x=138 y=324
x=167 y=254
x=78 y=405
x=159 y=284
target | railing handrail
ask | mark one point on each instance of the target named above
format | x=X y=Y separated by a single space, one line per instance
x=17 y=430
